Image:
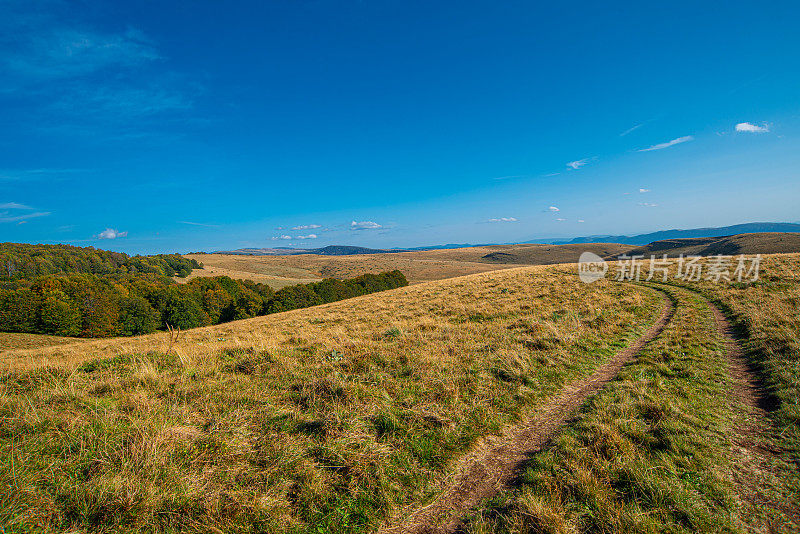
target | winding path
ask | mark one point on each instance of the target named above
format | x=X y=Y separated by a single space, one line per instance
x=489 y=467
x=759 y=463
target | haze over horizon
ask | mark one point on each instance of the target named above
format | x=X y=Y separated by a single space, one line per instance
x=178 y=127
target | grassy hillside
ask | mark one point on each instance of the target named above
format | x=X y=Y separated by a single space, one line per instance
x=15 y=340
x=426 y=265
x=418 y=266
x=343 y=417
x=761 y=243
x=286 y=270
x=660 y=450
x=766 y=313
x=324 y=419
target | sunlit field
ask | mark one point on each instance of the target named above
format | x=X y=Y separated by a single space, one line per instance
x=331 y=417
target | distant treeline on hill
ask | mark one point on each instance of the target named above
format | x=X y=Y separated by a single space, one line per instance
x=125 y=302
x=19 y=260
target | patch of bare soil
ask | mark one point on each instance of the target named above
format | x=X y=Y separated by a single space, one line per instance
x=492 y=465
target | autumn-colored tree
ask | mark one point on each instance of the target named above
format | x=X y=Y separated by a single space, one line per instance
x=137 y=316
x=59 y=317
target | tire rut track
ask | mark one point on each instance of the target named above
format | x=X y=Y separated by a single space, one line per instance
x=490 y=467
x=759 y=464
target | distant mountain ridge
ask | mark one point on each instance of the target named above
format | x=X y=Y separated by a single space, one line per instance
x=634 y=240
x=644 y=239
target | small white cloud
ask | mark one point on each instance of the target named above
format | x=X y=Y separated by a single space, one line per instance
x=581 y=221
x=550 y=174
x=648 y=204
x=553 y=209
x=364 y=225
x=560 y=219
x=643 y=190
x=577 y=164
x=111 y=233
x=309 y=236
x=752 y=128
x=281 y=237
x=307 y=227
x=503 y=219
x=668 y=144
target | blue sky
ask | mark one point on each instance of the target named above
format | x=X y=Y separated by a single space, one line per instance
x=182 y=126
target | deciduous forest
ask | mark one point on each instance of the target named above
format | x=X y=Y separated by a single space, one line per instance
x=84 y=292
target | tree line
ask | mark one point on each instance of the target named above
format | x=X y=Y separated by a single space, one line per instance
x=121 y=302
x=21 y=260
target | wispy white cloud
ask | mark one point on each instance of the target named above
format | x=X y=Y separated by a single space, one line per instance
x=309 y=236
x=648 y=204
x=578 y=163
x=553 y=209
x=560 y=219
x=14 y=206
x=284 y=237
x=632 y=129
x=57 y=51
x=752 y=128
x=83 y=81
x=10 y=216
x=18 y=212
x=307 y=227
x=199 y=224
x=643 y=190
x=364 y=225
x=34 y=174
x=668 y=144
x=503 y=219
x=581 y=221
x=111 y=233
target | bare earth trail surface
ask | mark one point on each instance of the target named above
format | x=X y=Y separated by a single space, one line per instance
x=759 y=462
x=491 y=466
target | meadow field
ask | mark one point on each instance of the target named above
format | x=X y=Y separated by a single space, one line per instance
x=418 y=266
x=514 y=400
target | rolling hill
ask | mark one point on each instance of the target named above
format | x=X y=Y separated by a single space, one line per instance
x=418 y=266
x=517 y=400
x=758 y=243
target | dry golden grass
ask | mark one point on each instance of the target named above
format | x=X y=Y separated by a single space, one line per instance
x=213 y=268
x=662 y=449
x=418 y=266
x=303 y=268
x=326 y=419
x=11 y=341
